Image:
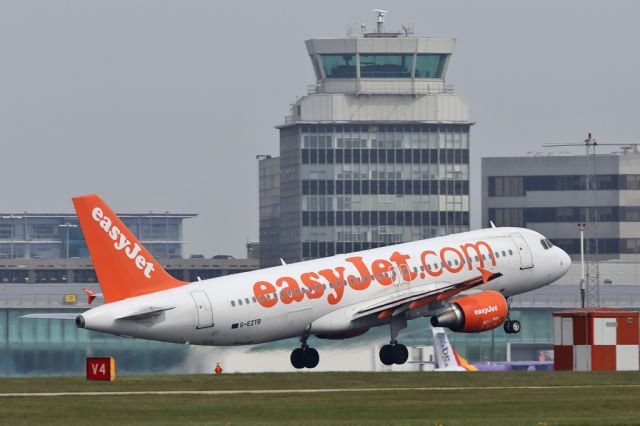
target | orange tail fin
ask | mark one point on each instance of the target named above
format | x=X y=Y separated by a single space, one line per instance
x=123 y=266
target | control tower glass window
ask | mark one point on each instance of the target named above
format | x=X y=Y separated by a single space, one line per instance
x=386 y=66
x=430 y=65
x=339 y=66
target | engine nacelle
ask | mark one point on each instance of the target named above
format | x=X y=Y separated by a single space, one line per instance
x=473 y=314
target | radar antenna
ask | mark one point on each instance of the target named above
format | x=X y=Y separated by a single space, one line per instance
x=381 y=14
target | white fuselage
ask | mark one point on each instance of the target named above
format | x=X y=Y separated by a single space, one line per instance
x=256 y=306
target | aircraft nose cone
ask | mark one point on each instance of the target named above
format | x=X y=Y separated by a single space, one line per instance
x=565 y=261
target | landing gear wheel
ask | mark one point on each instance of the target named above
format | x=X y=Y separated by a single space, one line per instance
x=311 y=358
x=298 y=358
x=400 y=354
x=512 y=326
x=387 y=355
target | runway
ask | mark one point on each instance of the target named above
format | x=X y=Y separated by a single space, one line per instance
x=311 y=391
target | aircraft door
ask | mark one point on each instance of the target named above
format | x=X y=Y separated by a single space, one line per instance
x=526 y=259
x=400 y=282
x=203 y=309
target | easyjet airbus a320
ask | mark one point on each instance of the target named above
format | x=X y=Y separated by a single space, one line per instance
x=462 y=281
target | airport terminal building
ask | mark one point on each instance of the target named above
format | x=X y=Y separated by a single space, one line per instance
x=376 y=153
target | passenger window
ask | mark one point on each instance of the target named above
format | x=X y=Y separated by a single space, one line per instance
x=297 y=292
x=246 y=300
x=510 y=252
x=477 y=260
x=497 y=255
x=262 y=298
x=484 y=257
x=449 y=262
x=240 y=302
x=233 y=303
x=422 y=268
x=429 y=267
x=254 y=299
x=504 y=254
x=455 y=261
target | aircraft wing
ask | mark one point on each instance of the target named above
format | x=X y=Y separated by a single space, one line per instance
x=417 y=297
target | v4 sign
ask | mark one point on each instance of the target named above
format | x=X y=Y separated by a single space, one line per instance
x=101 y=369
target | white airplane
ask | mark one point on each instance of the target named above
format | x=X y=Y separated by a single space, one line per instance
x=462 y=281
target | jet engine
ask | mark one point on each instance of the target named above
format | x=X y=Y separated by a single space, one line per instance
x=473 y=314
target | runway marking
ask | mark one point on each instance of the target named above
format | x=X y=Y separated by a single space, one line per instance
x=286 y=391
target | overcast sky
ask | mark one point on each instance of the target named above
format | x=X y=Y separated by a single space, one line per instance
x=163 y=105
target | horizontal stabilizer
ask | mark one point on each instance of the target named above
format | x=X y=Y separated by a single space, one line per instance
x=146 y=313
x=54 y=315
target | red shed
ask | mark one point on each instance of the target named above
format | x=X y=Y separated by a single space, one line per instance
x=596 y=339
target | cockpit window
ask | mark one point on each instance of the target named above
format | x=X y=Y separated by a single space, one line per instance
x=546 y=243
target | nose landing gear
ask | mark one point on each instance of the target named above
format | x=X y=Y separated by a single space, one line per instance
x=511 y=326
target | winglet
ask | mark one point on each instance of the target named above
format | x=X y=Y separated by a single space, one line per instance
x=486 y=275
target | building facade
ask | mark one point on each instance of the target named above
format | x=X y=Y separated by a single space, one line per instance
x=58 y=236
x=376 y=154
x=547 y=193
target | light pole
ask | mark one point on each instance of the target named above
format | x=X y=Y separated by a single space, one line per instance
x=583 y=281
x=67 y=225
x=13 y=232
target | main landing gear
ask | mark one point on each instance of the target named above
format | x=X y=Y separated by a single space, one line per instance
x=305 y=356
x=511 y=326
x=394 y=352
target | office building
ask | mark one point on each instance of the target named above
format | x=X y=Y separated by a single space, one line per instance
x=547 y=193
x=58 y=236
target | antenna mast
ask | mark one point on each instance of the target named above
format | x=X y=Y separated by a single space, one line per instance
x=591 y=228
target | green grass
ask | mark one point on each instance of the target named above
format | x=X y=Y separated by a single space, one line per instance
x=554 y=404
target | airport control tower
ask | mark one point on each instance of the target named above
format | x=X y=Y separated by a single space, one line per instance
x=377 y=153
